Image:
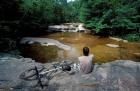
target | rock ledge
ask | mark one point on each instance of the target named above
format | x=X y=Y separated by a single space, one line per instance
x=119 y=75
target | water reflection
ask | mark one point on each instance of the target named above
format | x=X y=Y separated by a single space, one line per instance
x=77 y=41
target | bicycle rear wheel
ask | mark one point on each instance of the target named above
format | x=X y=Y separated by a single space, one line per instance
x=30 y=74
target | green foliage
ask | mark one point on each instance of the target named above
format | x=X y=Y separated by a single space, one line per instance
x=38 y=10
x=132 y=37
x=97 y=15
x=100 y=14
x=84 y=13
x=71 y=11
x=96 y=26
x=50 y=11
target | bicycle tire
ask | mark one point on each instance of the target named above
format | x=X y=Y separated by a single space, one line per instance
x=25 y=75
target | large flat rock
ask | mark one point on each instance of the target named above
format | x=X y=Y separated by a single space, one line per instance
x=44 y=42
x=119 y=75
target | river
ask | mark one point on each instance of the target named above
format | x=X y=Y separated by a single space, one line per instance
x=76 y=41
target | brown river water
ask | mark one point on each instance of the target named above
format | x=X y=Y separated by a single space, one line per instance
x=77 y=41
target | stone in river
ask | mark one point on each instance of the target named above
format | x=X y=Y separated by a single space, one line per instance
x=112 y=45
x=137 y=55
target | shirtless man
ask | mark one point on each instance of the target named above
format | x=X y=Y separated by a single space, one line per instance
x=86 y=65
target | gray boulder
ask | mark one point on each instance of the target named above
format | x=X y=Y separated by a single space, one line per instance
x=119 y=75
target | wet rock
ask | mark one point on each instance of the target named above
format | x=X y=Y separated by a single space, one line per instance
x=137 y=55
x=118 y=39
x=112 y=45
x=45 y=42
x=58 y=28
x=30 y=42
x=67 y=27
x=81 y=28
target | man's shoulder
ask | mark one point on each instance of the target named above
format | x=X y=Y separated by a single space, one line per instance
x=90 y=56
x=80 y=57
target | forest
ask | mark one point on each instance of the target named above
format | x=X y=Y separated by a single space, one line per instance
x=19 y=18
x=69 y=45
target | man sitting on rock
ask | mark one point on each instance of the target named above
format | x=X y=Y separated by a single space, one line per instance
x=86 y=65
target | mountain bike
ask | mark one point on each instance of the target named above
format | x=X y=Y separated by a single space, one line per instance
x=40 y=73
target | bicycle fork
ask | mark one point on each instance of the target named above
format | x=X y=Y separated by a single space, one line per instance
x=39 y=78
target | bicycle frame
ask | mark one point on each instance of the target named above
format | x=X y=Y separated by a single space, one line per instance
x=45 y=72
x=38 y=74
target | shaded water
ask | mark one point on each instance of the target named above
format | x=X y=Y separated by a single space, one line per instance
x=77 y=41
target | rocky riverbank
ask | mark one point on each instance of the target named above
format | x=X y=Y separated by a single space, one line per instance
x=119 y=75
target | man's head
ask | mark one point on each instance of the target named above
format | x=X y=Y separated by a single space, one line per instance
x=86 y=51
